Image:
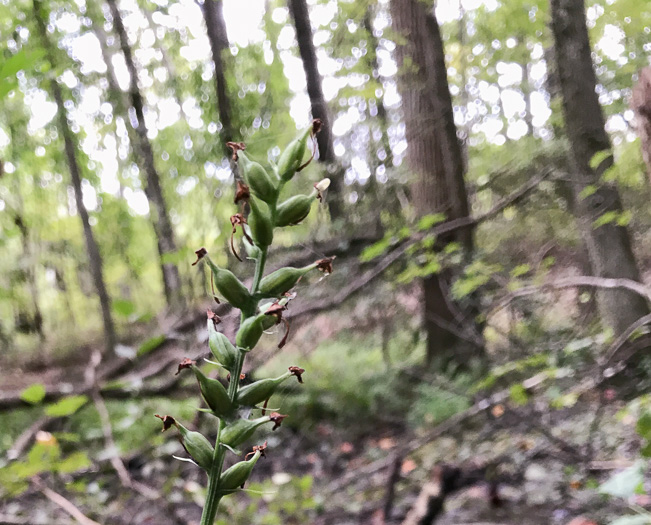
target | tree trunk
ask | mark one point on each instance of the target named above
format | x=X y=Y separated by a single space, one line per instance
x=213 y=13
x=301 y=16
x=641 y=104
x=608 y=245
x=94 y=257
x=153 y=189
x=436 y=160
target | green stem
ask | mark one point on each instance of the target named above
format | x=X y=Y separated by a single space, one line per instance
x=259 y=269
x=213 y=496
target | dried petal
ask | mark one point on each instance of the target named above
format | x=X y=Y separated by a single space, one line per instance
x=186 y=363
x=325 y=265
x=213 y=317
x=201 y=253
x=168 y=421
x=242 y=193
x=258 y=448
x=276 y=419
x=298 y=372
x=236 y=146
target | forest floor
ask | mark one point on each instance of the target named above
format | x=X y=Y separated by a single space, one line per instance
x=353 y=454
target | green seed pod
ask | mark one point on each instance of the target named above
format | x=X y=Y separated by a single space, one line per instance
x=292 y=157
x=252 y=250
x=197 y=446
x=260 y=223
x=239 y=431
x=277 y=283
x=225 y=353
x=231 y=288
x=237 y=475
x=250 y=332
x=214 y=393
x=251 y=395
x=294 y=210
x=258 y=179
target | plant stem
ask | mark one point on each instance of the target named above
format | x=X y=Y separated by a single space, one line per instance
x=212 y=496
x=259 y=269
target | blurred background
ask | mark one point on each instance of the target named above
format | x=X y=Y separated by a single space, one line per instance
x=478 y=355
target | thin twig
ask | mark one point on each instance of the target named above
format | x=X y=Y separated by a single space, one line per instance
x=64 y=504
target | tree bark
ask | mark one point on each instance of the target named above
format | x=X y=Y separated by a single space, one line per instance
x=435 y=158
x=301 y=17
x=94 y=257
x=153 y=188
x=213 y=13
x=609 y=247
x=641 y=104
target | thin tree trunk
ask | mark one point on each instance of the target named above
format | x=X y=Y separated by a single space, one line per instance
x=608 y=245
x=94 y=257
x=525 y=86
x=301 y=16
x=641 y=104
x=172 y=77
x=120 y=103
x=436 y=160
x=28 y=256
x=153 y=189
x=213 y=13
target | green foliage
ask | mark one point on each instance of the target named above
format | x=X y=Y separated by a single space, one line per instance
x=66 y=406
x=43 y=457
x=33 y=394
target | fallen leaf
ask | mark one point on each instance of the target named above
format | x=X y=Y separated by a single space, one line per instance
x=346 y=447
x=407 y=466
x=386 y=443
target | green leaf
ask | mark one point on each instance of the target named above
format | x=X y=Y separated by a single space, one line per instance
x=520 y=270
x=606 y=218
x=73 y=463
x=587 y=191
x=643 y=426
x=518 y=395
x=375 y=250
x=33 y=393
x=66 y=406
x=431 y=220
x=151 y=344
x=599 y=157
x=624 y=484
x=123 y=307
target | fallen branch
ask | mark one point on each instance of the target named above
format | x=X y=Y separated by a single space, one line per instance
x=574 y=282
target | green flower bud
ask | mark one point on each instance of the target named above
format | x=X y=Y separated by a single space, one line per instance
x=260 y=391
x=260 y=223
x=251 y=249
x=294 y=210
x=237 y=475
x=194 y=443
x=214 y=393
x=292 y=157
x=239 y=431
x=225 y=353
x=230 y=287
x=197 y=446
x=257 y=179
x=250 y=332
x=277 y=283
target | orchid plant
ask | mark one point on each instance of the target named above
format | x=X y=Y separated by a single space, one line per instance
x=261 y=306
